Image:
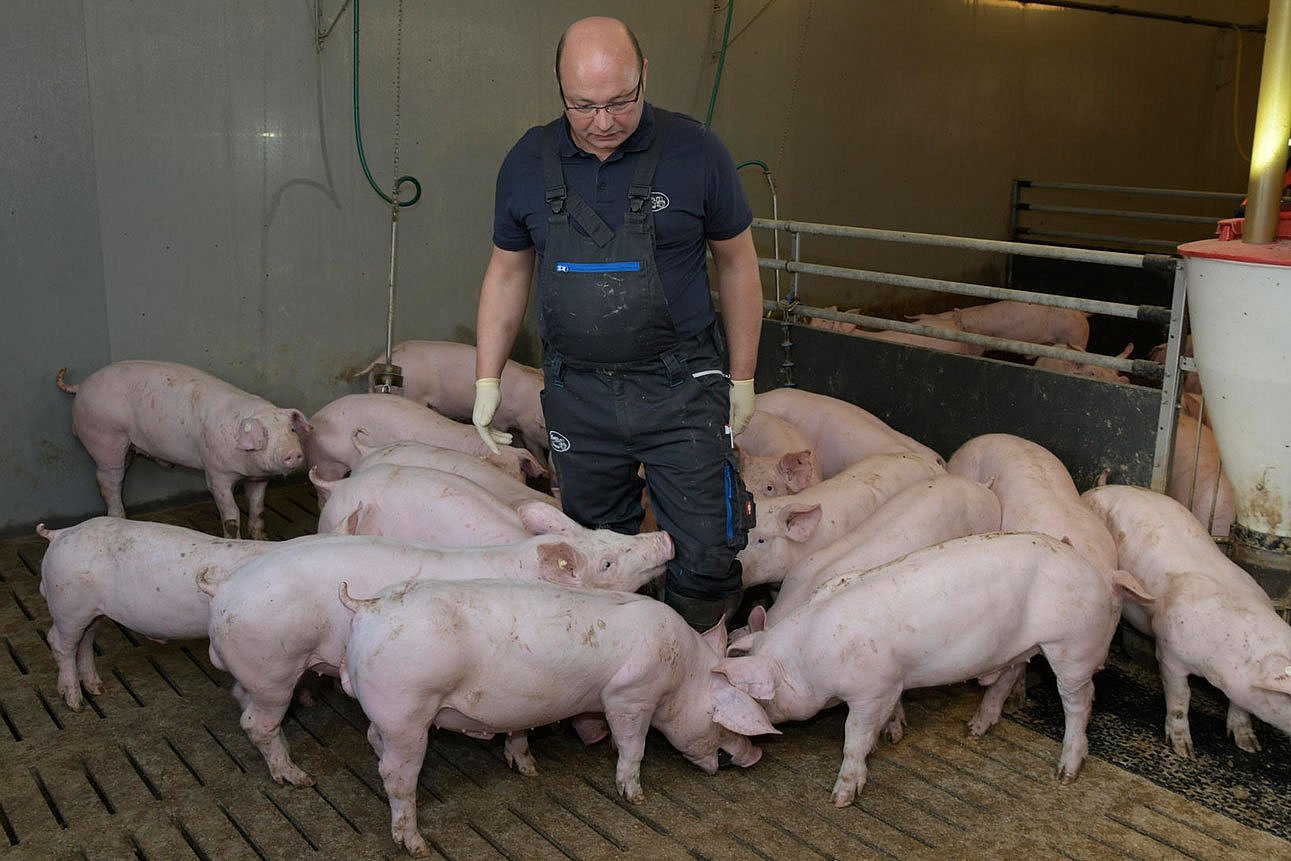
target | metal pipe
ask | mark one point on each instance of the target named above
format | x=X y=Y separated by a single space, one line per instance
x=1084 y=255
x=1129 y=189
x=1116 y=213
x=1164 y=244
x=1272 y=127
x=1150 y=313
x=1143 y=13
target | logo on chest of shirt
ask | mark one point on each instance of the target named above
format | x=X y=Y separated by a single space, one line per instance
x=658 y=201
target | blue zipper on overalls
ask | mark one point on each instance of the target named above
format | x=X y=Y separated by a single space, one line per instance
x=730 y=525
x=623 y=266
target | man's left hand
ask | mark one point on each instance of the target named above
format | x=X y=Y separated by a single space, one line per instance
x=742 y=398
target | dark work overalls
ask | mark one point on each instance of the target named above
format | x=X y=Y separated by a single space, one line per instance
x=624 y=389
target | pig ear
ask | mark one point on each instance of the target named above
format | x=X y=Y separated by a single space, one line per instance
x=796 y=467
x=757 y=619
x=751 y=674
x=558 y=563
x=1130 y=587
x=541 y=518
x=799 y=522
x=530 y=465
x=1125 y=354
x=364 y=446
x=299 y=423
x=715 y=637
x=252 y=435
x=737 y=711
x=1275 y=675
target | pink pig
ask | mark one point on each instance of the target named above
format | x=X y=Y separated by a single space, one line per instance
x=775 y=458
x=180 y=415
x=1197 y=478
x=975 y=607
x=278 y=616
x=385 y=418
x=1210 y=619
x=489 y=476
x=512 y=655
x=1036 y=493
x=925 y=513
x=1084 y=369
x=441 y=375
x=417 y=504
x=840 y=433
x=791 y=528
x=1020 y=321
x=134 y=572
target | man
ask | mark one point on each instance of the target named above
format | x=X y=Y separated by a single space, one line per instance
x=615 y=201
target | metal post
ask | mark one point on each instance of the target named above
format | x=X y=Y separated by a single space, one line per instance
x=1166 y=421
x=1272 y=125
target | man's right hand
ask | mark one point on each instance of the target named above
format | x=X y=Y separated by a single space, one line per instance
x=488 y=394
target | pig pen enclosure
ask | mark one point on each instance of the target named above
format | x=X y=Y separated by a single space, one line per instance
x=157 y=766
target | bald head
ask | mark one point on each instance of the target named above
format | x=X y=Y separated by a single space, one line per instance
x=590 y=43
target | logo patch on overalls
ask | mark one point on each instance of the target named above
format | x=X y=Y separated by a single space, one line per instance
x=558 y=441
x=658 y=201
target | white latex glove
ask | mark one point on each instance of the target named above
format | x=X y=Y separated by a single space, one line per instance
x=488 y=394
x=742 y=397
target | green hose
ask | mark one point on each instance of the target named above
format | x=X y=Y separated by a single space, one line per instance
x=721 y=61
x=753 y=162
x=358 y=133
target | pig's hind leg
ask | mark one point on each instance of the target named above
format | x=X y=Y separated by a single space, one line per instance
x=401 y=752
x=262 y=713
x=1174 y=680
x=85 y=667
x=993 y=699
x=865 y=719
x=1073 y=670
x=65 y=638
x=516 y=751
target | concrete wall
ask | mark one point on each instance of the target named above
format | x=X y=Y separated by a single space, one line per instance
x=179 y=182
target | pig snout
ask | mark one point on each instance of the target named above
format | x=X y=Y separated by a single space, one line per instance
x=293 y=459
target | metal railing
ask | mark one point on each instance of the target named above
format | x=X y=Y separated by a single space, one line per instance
x=793 y=309
x=1053 y=201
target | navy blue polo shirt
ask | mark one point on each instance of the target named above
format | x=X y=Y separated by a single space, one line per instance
x=696 y=196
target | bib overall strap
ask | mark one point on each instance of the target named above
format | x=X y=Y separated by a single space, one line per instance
x=642 y=180
x=559 y=198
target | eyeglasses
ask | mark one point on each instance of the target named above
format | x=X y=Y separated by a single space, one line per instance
x=614 y=109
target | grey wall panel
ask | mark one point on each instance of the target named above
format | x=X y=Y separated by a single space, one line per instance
x=50 y=268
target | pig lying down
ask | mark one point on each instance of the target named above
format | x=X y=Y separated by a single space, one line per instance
x=330 y=446
x=134 y=572
x=278 y=615
x=180 y=415
x=1210 y=619
x=840 y=433
x=975 y=607
x=512 y=655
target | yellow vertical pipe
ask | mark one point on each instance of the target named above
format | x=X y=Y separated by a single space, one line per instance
x=1272 y=129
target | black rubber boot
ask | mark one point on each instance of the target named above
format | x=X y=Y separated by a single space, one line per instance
x=700 y=613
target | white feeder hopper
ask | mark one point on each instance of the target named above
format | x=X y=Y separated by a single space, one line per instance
x=1239 y=293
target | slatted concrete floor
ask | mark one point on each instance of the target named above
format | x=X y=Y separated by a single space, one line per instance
x=158 y=768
